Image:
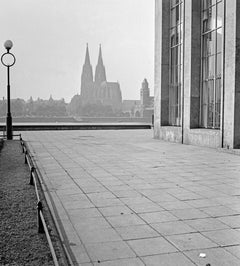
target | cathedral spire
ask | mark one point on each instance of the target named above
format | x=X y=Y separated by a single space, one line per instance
x=87 y=74
x=100 y=73
x=100 y=61
x=87 y=57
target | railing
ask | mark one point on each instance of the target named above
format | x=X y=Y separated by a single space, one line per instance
x=5 y=136
x=42 y=227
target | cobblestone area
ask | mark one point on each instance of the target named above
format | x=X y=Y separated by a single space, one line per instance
x=123 y=198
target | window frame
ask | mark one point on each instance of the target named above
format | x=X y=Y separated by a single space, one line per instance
x=217 y=89
x=176 y=63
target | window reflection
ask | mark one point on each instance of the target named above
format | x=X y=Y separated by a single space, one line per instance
x=176 y=40
x=212 y=17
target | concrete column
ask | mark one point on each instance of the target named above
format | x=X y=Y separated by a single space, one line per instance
x=161 y=88
x=231 y=108
x=192 y=66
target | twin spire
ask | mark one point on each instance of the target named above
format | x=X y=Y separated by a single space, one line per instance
x=100 y=73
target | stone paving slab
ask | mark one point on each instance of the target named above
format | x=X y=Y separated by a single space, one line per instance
x=123 y=198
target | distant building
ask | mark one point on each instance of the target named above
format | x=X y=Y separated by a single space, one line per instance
x=147 y=101
x=98 y=89
x=144 y=106
x=131 y=107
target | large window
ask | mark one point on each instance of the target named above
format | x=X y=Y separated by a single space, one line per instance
x=176 y=62
x=212 y=35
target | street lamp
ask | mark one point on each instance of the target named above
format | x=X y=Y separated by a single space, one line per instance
x=8 y=60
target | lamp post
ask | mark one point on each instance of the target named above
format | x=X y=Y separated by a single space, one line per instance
x=8 y=60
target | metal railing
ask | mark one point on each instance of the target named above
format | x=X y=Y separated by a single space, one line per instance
x=42 y=226
x=4 y=136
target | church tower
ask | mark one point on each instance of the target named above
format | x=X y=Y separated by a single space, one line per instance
x=87 y=74
x=100 y=74
x=144 y=93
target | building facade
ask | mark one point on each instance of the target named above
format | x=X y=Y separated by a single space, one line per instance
x=197 y=72
x=97 y=89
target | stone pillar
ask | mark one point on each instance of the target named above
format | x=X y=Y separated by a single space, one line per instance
x=192 y=66
x=231 y=104
x=161 y=87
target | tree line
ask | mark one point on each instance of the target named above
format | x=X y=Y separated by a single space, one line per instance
x=59 y=108
x=39 y=107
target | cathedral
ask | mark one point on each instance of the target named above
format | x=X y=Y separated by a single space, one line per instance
x=97 y=90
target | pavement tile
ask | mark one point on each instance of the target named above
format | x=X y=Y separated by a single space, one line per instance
x=145 y=207
x=125 y=220
x=173 y=228
x=173 y=259
x=80 y=254
x=200 y=203
x=106 y=202
x=100 y=195
x=109 y=251
x=232 y=221
x=190 y=241
x=162 y=197
x=115 y=210
x=235 y=250
x=186 y=214
x=122 y=262
x=224 y=237
x=218 y=211
x=158 y=217
x=151 y=246
x=136 y=232
x=138 y=200
x=97 y=235
x=84 y=213
x=206 y=224
x=175 y=205
x=188 y=196
x=92 y=189
x=80 y=204
x=127 y=194
x=118 y=188
x=214 y=256
x=90 y=223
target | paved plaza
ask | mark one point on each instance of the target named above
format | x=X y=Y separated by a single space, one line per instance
x=123 y=198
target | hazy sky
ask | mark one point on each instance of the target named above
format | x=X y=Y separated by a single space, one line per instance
x=50 y=39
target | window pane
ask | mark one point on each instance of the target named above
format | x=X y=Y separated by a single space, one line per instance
x=174 y=56
x=209 y=44
x=172 y=75
x=219 y=65
x=176 y=75
x=209 y=19
x=219 y=41
x=210 y=103
x=179 y=31
x=177 y=15
x=211 y=70
x=181 y=12
x=204 y=104
x=218 y=103
x=173 y=17
x=173 y=37
x=174 y=2
x=179 y=55
x=219 y=14
x=205 y=68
